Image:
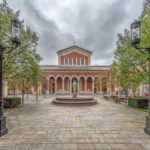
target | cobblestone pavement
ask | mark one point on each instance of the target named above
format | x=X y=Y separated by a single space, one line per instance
x=43 y=126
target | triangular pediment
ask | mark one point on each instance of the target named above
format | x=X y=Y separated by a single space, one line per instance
x=76 y=49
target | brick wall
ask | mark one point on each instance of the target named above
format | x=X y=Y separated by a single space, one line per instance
x=76 y=55
x=59 y=84
x=89 y=84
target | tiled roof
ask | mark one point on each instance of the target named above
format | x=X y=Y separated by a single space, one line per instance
x=74 y=46
x=73 y=68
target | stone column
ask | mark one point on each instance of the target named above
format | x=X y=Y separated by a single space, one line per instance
x=47 y=91
x=78 y=87
x=110 y=89
x=56 y=86
x=70 y=86
x=85 y=85
x=92 y=86
x=63 y=85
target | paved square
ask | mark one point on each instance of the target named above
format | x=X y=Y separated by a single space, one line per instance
x=43 y=126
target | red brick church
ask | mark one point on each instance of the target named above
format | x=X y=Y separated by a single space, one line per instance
x=74 y=63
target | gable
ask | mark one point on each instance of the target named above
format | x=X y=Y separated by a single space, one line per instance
x=76 y=49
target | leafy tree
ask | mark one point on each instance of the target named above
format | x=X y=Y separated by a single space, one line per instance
x=12 y=85
x=130 y=66
x=21 y=63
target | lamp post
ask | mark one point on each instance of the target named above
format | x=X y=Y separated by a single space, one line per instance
x=16 y=39
x=135 y=40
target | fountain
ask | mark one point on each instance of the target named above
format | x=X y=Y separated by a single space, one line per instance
x=74 y=100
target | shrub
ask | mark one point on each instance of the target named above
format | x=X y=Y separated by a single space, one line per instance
x=138 y=102
x=106 y=97
x=10 y=102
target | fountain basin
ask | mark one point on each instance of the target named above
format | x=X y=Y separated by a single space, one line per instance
x=79 y=101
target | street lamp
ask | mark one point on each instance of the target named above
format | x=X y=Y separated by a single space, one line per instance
x=16 y=39
x=135 y=40
x=135 y=33
x=16 y=32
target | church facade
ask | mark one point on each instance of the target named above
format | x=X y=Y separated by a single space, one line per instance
x=74 y=63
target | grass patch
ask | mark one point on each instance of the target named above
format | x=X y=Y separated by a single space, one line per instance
x=139 y=109
x=9 y=109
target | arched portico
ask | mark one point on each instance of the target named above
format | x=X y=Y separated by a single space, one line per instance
x=62 y=84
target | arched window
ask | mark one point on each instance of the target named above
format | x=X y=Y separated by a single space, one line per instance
x=74 y=61
x=66 y=61
x=82 y=61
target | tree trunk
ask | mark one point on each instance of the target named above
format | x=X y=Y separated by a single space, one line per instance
x=37 y=94
x=27 y=93
x=23 y=94
x=23 y=97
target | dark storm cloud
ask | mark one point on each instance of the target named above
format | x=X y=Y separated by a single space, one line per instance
x=51 y=38
x=92 y=24
x=100 y=30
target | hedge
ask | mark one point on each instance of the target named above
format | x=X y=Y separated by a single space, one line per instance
x=10 y=102
x=138 y=102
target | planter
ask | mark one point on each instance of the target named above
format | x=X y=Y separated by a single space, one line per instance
x=116 y=100
x=106 y=97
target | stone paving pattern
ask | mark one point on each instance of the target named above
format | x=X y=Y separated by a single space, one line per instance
x=43 y=126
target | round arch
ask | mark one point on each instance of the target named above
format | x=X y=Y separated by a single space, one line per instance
x=89 y=81
x=90 y=77
x=59 y=82
x=82 y=80
x=51 y=76
x=67 y=84
x=74 y=76
x=60 y=77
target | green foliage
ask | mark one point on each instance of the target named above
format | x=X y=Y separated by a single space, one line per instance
x=11 y=102
x=21 y=65
x=139 y=109
x=138 y=102
x=130 y=65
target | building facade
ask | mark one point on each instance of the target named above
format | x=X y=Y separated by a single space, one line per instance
x=74 y=63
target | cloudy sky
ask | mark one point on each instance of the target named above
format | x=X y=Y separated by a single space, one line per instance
x=91 y=24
